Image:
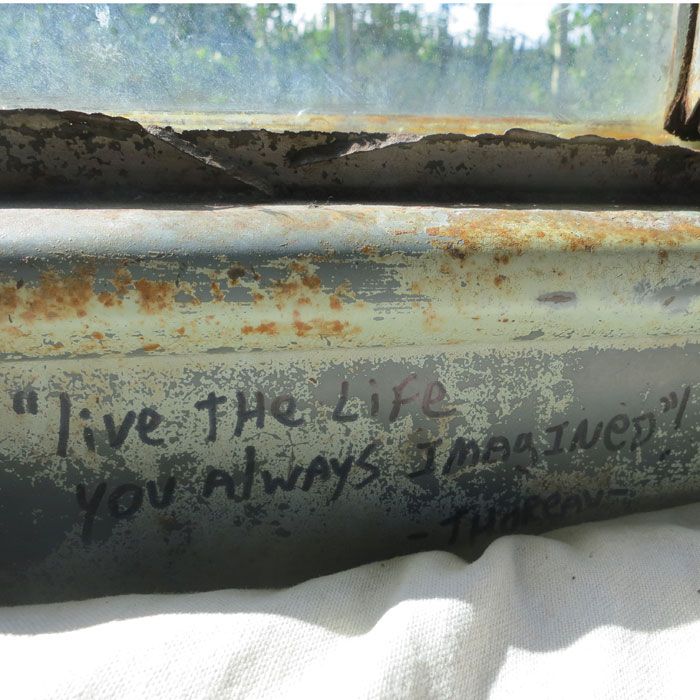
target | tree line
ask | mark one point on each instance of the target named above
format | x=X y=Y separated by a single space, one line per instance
x=595 y=61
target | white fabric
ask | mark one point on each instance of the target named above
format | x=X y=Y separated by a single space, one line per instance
x=608 y=610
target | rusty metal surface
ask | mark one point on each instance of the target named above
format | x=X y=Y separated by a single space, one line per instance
x=181 y=281
x=647 y=129
x=209 y=396
x=49 y=155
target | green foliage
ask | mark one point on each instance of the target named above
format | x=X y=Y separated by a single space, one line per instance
x=364 y=58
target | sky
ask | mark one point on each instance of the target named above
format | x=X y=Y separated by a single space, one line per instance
x=526 y=19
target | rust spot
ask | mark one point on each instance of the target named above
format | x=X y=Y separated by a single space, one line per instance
x=180 y=330
x=369 y=249
x=150 y=347
x=262 y=329
x=302 y=301
x=285 y=288
x=298 y=267
x=122 y=280
x=332 y=327
x=302 y=328
x=57 y=346
x=312 y=282
x=154 y=296
x=320 y=326
x=19 y=284
x=108 y=299
x=234 y=274
x=455 y=251
x=585 y=244
x=466 y=233
x=60 y=297
x=335 y=303
x=663 y=256
x=8 y=298
x=98 y=336
x=501 y=258
x=513 y=232
x=257 y=297
x=557 y=297
x=498 y=280
x=216 y=292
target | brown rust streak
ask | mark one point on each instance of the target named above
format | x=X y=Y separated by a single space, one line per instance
x=108 y=299
x=285 y=288
x=369 y=249
x=154 y=296
x=513 y=232
x=58 y=297
x=263 y=329
x=322 y=327
x=302 y=328
x=9 y=298
x=312 y=282
x=402 y=123
x=122 y=280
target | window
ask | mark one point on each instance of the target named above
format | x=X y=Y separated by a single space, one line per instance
x=563 y=68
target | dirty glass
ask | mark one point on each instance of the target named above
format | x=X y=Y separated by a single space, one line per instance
x=564 y=62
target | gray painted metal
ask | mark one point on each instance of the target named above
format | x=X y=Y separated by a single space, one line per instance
x=205 y=397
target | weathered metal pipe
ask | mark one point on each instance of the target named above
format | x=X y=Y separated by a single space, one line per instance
x=251 y=395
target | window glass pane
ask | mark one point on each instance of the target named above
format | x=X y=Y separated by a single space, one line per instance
x=579 y=63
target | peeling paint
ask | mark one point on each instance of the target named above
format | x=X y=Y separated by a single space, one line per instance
x=614 y=270
x=47 y=154
x=274 y=385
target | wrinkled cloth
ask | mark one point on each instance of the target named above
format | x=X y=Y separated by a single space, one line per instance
x=604 y=610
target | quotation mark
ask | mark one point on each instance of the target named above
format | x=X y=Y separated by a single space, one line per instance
x=669 y=402
x=25 y=402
